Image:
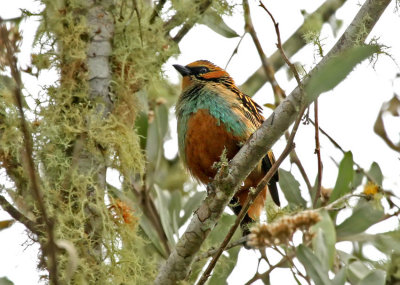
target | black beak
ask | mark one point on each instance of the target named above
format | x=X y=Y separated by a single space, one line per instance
x=183 y=70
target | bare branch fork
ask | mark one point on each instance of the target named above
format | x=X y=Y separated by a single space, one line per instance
x=224 y=186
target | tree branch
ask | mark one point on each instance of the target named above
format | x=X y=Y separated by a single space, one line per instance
x=227 y=181
x=17 y=215
x=318 y=153
x=291 y=46
x=268 y=69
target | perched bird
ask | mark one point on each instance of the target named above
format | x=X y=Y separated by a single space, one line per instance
x=213 y=115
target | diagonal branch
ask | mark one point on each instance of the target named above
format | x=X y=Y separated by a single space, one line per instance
x=17 y=215
x=291 y=46
x=222 y=189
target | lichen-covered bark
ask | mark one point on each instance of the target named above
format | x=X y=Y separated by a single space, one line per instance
x=178 y=264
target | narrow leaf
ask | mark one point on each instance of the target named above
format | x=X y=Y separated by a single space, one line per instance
x=312 y=265
x=162 y=202
x=345 y=177
x=325 y=240
x=291 y=188
x=5 y=281
x=151 y=233
x=357 y=271
x=376 y=277
x=340 y=277
x=376 y=173
x=6 y=224
x=363 y=216
x=155 y=135
x=357 y=179
x=336 y=69
x=215 y=22
x=192 y=203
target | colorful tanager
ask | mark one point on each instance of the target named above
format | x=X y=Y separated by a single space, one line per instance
x=214 y=115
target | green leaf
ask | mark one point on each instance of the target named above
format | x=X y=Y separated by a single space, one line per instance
x=387 y=242
x=340 y=277
x=325 y=240
x=224 y=267
x=162 y=203
x=357 y=179
x=336 y=69
x=5 y=281
x=155 y=141
x=291 y=188
x=345 y=177
x=357 y=271
x=142 y=124
x=312 y=265
x=215 y=22
x=192 y=203
x=221 y=229
x=376 y=277
x=364 y=215
x=226 y=264
x=156 y=133
x=151 y=233
x=175 y=207
x=376 y=173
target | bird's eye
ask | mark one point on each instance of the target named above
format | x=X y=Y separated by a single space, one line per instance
x=203 y=69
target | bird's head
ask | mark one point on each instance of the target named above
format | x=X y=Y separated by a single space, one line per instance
x=201 y=72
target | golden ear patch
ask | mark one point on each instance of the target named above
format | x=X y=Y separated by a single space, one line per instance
x=215 y=74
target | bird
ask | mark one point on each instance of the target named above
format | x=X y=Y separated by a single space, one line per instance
x=214 y=116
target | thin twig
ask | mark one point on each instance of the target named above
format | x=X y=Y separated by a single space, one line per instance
x=295 y=159
x=268 y=69
x=336 y=144
x=294 y=156
x=280 y=48
x=235 y=51
x=157 y=10
x=258 y=276
x=178 y=19
x=51 y=245
x=213 y=251
x=318 y=152
x=291 y=46
x=17 y=215
x=279 y=93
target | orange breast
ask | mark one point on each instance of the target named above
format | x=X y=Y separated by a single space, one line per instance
x=205 y=141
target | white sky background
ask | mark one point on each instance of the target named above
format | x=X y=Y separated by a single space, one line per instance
x=347 y=113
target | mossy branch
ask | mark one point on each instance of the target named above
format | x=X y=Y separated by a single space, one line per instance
x=223 y=188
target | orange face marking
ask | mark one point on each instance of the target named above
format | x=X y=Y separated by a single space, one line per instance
x=215 y=74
